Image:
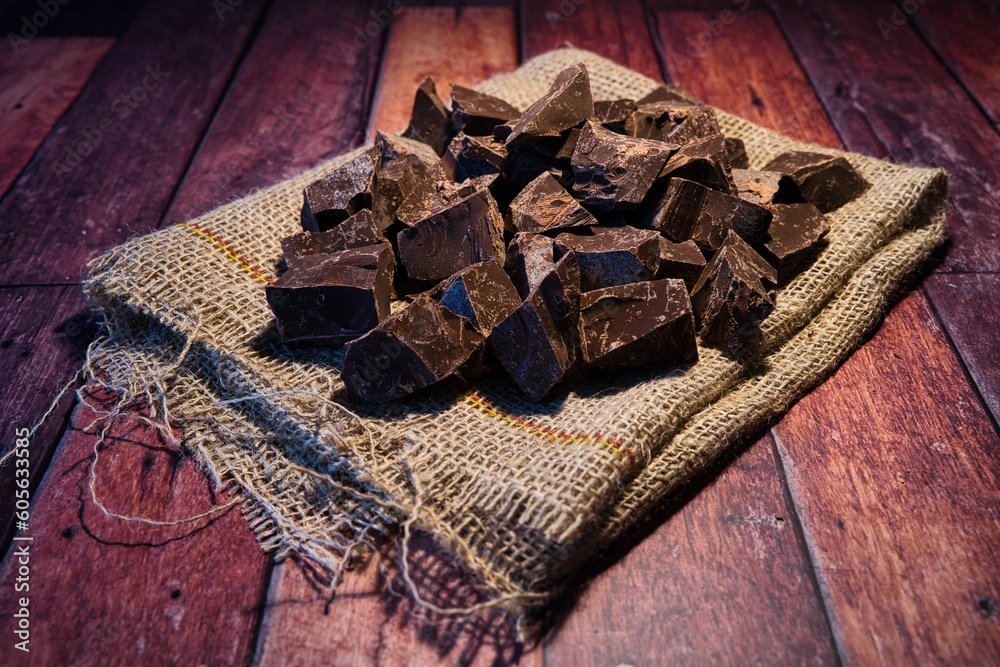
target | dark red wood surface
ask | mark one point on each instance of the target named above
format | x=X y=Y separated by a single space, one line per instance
x=861 y=530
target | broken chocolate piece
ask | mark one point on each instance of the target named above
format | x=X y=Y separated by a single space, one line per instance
x=703 y=161
x=358 y=230
x=468 y=157
x=613 y=171
x=567 y=104
x=827 y=181
x=482 y=293
x=427 y=198
x=329 y=299
x=404 y=166
x=613 y=255
x=340 y=194
x=794 y=231
x=412 y=349
x=633 y=325
x=730 y=299
x=680 y=260
x=466 y=232
x=612 y=114
x=765 y=187
x=677 y=123
x=544 y=204
x=664 y=94
x=430 y=121
x=477 y=113
x=737 y=152
x=531 y=347
x=530 y=257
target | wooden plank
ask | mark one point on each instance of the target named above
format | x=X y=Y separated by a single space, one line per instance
x=101 y=586
x=300 y=96
x=45 y=335
x=722 y=581
x=79 y=18
x=894 y=467
x=35 y=90
x=967 y=306
x=964 y=34
x=57 y=216
x=363 y=624
x=455 y=46
x=615 y=30
x=728 y=543
x=892 y=97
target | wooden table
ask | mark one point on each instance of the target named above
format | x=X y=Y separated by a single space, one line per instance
x=864 y=528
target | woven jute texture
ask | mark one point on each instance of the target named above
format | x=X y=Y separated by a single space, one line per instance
x=522 y=493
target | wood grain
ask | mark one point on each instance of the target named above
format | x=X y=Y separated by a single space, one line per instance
x=894 y=468
x=36 y=88
x=58 y=216
x=107 y=590
x=45 y=335
x=301 y=96
x=964 y=34
x=455 y=46
x=615 y=30
x=891 y=97
x=967 y=306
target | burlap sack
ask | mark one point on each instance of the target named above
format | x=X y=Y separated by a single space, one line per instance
x=523 y=493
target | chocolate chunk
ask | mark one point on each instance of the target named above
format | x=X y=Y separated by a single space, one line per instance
x=633 y=325
x=482 y=293
x=427 y=198
x=404 y=166
x=737 y=152
x=680 y=260
x=794 y=231
x=677 y=123
x=358 y=230
x=530 y=257
x=827 y=181
x=341 y=193
x=730 y=299
x=612 y=114
x=613 y=171
x=412 y=349
x=664 y=94
x=703 y=161
x=765 y=187
x=467 y=157
x=613 y=255
x=531 y=347
x=544 y=204
x=467 y=232
x=478 y=113
x=329 y=299
x=526 y=162
x=567 y=104
x=565 y=151
x=690 y=210
x=430 y=121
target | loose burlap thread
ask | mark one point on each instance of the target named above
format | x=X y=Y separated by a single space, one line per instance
x=522 y=493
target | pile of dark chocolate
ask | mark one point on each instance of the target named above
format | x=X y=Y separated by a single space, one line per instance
x=610 y=234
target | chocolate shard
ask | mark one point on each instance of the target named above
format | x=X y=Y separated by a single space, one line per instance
x=794 y=231
x=667 y=94
x=737 y=152
x=358 y=230
x=466 y=232
x=477 y=113
x=481 y=293
x=531 y=347
x=612 y=114
x=565 y=151
x=468 y=157
x=689 y=210
x=430 y=121
x=613 y=255
x=614 y=172
x=567 y=104
x=341 y=193
x=329 y=299
x=404 y=166
x=703 y=161
x=530 y=257
x=730 y=299
x=680 y=260
x=766 y=187
x=544 y=204
x=638 y=324
x=673 y=122
x=422 y=344
x=526 y=162
x=429 y=197
x=827 y=181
